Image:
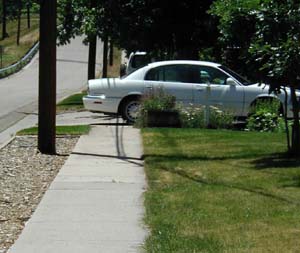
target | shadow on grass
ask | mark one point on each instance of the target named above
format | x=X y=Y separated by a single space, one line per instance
x=277 y=160
x=256 y=191
x=183 y=157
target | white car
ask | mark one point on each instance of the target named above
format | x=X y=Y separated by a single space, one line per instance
x=191 y=82
x=136 y=60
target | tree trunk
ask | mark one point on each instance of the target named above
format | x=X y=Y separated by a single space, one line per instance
x=295 y=147
x=4 y=13
x=287 y=130
x=47 y=77
x=111 y=53
x=105 y=52
x=19 y=22
x=28 y=15
x=92 y=57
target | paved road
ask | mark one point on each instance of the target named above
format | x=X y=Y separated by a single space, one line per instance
x=19 y=92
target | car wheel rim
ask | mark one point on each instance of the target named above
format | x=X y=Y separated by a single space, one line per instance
x=132 y=110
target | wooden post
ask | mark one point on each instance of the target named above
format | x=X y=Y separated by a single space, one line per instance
x=47 y=77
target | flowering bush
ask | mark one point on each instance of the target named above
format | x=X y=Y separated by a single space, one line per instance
x=194 y=117
x=188 y=117
x=263 y=122
x=264 y=117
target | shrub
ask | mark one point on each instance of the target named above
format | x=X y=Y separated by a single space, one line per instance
x=194 y=117
x=264 y=116
x=156 y=100
x=220 y=119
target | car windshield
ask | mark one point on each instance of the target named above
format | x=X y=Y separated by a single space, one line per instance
x=238 y=77
x=140 y=61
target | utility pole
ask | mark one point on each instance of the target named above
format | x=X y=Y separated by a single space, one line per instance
x=92 y=57
x=92 y=49
x=105 y=53
x=47 y=77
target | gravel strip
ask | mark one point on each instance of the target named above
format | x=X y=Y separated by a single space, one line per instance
x=25 y=175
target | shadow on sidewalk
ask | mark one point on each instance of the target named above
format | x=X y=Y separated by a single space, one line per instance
x=119 y=143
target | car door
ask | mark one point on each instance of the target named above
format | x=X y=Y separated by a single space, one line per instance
x=214 y=90
x=173 y=79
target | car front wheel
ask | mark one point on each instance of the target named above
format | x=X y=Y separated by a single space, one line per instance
x=130 y=110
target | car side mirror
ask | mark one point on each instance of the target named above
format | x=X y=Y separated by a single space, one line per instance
x=230 y=81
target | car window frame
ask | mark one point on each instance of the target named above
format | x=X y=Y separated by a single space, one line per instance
x=186 y=64
x=166 y=66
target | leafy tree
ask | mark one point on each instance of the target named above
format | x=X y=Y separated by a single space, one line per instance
x=19 y=6
x=12 y=9
x=272 y=43
x=28 y=7
x=4 y=32
x=178 y=30
x=84 y=17
x=237 y=25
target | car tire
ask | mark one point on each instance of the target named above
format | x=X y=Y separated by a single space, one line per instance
x=130 y=109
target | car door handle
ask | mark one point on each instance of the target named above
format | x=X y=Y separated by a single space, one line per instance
x=200 y=88
x=149 y=87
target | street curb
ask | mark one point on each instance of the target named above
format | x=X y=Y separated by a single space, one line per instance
x=7 y=142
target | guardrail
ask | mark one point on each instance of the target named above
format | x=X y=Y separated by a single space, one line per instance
x=4 y=72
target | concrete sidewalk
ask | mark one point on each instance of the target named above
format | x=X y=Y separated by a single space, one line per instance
x=95 y=204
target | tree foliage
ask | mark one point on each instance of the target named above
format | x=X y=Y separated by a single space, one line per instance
x=271 y=44
x=177 y=30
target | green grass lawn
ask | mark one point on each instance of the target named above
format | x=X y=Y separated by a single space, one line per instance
x=12 y=52
x=60 y=130
x=220 y=191
x=73 y=102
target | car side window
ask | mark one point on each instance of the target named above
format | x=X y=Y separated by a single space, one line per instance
x=155 y=74
x=174 y=73
x=212 y=75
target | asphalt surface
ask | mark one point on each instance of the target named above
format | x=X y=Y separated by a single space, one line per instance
x=19 y=92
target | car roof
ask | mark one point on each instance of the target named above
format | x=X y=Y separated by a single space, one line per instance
x=162 y=63
x=136 y=75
